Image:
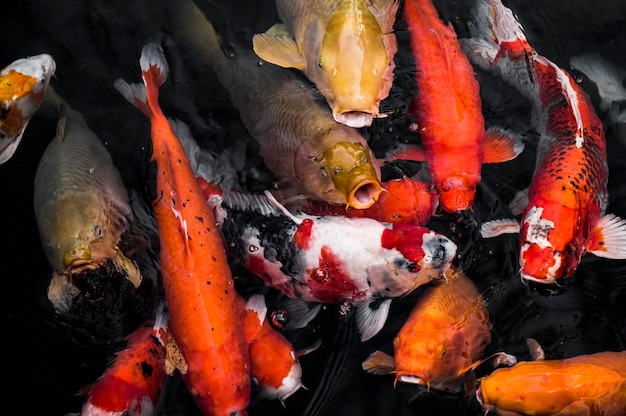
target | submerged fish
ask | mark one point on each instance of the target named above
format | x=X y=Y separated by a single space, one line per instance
x=591 y=384
x=199 y=290
x=80 y=202
x=23 y=85
x=301 y=144
x=443 y=338
x=567 y=199
x=132 y=384
x=330 y=259
x=449 y=111
x=345 y=47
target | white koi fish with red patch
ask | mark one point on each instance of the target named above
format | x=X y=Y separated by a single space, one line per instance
x=566 y=213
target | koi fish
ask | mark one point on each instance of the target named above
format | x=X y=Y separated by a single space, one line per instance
x=132 y=384
x=405 y=200
x=23 y=85
x=199 y=290
x=567 y=199
x=345 y=47
x=590 y=384
x=449 y=111
x=308 y=151
x=442 y=339
x=330 y=259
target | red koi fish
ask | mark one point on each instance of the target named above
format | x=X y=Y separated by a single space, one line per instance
x=448 y=110
x=406 y=200
x=443 y=338
x=567 y=199
x=198 y=284
x=23 y=85
x=591 y=384
x=132 y=384
x=330 y=259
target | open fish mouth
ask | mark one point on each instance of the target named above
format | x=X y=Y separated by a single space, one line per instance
x=412 y=378
x=355 y=119
x=364 y=194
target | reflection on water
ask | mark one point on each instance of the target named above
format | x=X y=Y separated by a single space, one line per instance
x=96 y=42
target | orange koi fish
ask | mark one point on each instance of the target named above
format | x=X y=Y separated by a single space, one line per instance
x=567 y=199
x=199 y=289
x=406 y=200
x=311 y=154
x=448 y=110
x=345 y=47
x=132 y=384
x=443 y=338
x=591 y=384
x=23 y=85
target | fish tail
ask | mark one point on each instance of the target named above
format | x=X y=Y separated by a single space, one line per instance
x=154 y=70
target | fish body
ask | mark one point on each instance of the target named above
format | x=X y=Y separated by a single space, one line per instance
x=308 y=151
x=345 y=47
x=567 y=199
x=23 y=85
x=330 y=259
x=405 y=200
x=201 y=298
x=81 y=205
x=443 y=337
x=132 y=384
x=591 y=384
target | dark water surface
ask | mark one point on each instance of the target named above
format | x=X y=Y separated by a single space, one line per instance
x=94 y=42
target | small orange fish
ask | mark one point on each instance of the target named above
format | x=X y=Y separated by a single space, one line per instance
x=449 y=111
x=592 y=384
x=443 y=338
x=23 y=86
x=405 y=200
x=201 y=298
x=132 y=384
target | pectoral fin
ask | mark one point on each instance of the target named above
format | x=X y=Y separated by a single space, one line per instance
x=495 y=228
x=370 y=320
x=501 y=145
x=406 y=152
x=379 y=363
x=277 y=47
x=608 y=239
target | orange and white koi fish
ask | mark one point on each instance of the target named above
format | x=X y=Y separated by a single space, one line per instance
x=590 y=384
x=449 y=112
x=132 y=384
x=345 y=47
x=443 y=338
x=567 y=199
x=23 y=85
x=201 y=298
x=311 y=155
x=405 y=200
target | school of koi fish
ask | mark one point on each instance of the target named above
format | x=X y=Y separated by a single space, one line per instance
x=372 y=207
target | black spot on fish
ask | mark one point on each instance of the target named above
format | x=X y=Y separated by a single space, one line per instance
x=146 y=369
x=200 y=219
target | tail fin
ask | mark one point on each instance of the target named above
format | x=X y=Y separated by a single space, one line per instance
x=154 y=70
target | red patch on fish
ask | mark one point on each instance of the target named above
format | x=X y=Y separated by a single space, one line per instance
x=330 y=278
x=404 y=238
x=538 y=261
x=302 y=236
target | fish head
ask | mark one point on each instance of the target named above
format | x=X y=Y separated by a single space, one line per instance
x=291 y=382
x=23 y=84
x=354 y=70
x=549 y=251
x=79 y=233
x=346 y=173
x=456 y=193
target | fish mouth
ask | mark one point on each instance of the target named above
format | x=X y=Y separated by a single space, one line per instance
x=364 y=194
x=409 y=378
x=355 y=119
x=456 y=193
x=546 y=280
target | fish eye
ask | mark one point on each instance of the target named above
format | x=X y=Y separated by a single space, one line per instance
x=337 y=169
x=320 y=62
x=324 y=172
x=365 y=159
x=279 y=318
x=97 y=231
x=443 y=352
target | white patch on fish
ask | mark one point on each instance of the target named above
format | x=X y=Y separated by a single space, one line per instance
x=538 y=228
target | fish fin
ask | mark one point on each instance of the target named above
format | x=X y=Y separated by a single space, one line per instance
x=370 y=321
x=379 y=363
x=501 y=145
x=519 y=202
x=278 y=49
x=406 y=152
x=301 y=312
x=278 y=205
x=608 y=238
x=536 y=351
x=9 y=151
x=385 y=13
x=309 y=349
x=134 y=94
x=253 y=316
x=61 y=292
x=174 y=359
x=495 y=228
x=154 y=71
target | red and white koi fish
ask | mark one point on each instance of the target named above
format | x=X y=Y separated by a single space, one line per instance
x=443 y=338
x=201 y=298
x=566 y=213
x=132 y=384
x=590 y=384
x=329 y=259
x=23 y=85
x=449 y=112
